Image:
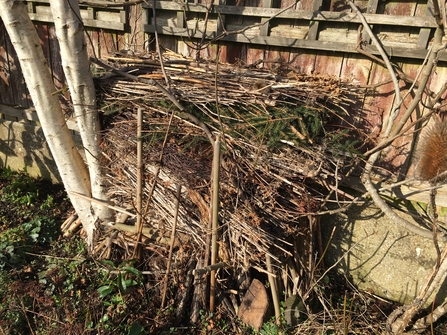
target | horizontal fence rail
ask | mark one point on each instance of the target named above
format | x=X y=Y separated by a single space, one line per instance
x=94 y=15
x=401 y=36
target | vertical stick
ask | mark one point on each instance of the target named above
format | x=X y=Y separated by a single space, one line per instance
x=273 y=288
x=174 y=226
x=215 y=219
x=139 y=223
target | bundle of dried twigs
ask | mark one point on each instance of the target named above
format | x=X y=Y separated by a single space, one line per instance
x=283 y=151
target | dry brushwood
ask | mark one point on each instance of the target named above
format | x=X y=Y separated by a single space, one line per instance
x=282 y=153
x=267 y=187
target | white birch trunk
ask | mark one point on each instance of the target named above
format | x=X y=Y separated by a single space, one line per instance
x=76 y=65
x=37 y=75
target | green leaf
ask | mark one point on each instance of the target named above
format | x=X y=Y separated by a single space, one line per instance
x=108 y=263
x=104 y=291
x=130 y=282
x=122 y=287
x=136 y=329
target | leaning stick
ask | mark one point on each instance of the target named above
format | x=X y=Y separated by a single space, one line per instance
x=174 y=226
x=209 y=268
x=139 y=223
x=103 y=203
x=215 y=219
x=273 y=288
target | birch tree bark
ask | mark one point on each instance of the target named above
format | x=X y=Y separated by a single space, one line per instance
x=76 y=65
x=71 y=166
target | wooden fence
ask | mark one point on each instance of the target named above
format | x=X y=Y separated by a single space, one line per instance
x=311 y=36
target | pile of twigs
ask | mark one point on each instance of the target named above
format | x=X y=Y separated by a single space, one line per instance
x=269 y=194
x=203 y=83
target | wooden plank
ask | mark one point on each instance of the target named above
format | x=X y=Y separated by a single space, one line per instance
x=91 y=13
x=107 y=41
x=356 y=69
x=275 y=57
x=296 y=29
x=371 y=9
x=330 y=63
x=17 y=83
x=29 y=115
x=55 y=63
x=314 y=24
x=303 y=62
x=221 y=21
x=55 y=59
x=377 y=106
x=21 y=114
x=103 y=24
x=91 y=17
x=42 y=1
x=392 y=20
x=88 y=3
x=418 y=192
x=87 y=22
x=210 y=51
x=254 y=54
x=230 y=53
x=6 y=95
x=93 y=44
x=42 y=32
x=424 y=34
x=134 y=38
x=177 y=45
x=340 y=32
x=31 y=7
x=181 y=23
x=397 y=51
x=179 y=32
x=399 y=8
x=265 y=28
x=402 y=150
x=438 y=79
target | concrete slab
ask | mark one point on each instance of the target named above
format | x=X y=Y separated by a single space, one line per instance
x=379 y=256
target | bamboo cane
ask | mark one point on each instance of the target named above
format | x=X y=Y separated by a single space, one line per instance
x=174 y=225
x=139 y=223
x=215 y=219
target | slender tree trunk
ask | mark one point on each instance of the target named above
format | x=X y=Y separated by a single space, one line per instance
x=76 y=65
x=72 y=168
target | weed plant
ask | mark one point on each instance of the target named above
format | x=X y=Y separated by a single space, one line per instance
x=50 y=285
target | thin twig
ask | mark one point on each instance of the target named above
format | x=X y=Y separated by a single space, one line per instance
x=240 y=31
x=152 y=82
x=104 y=4
x=398 y=100
x=118 y=209
x=209 y=268
x=387 y=132
x=157 y=43
x=205 y=26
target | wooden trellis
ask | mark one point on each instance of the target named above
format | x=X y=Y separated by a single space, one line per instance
x=402 y=36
